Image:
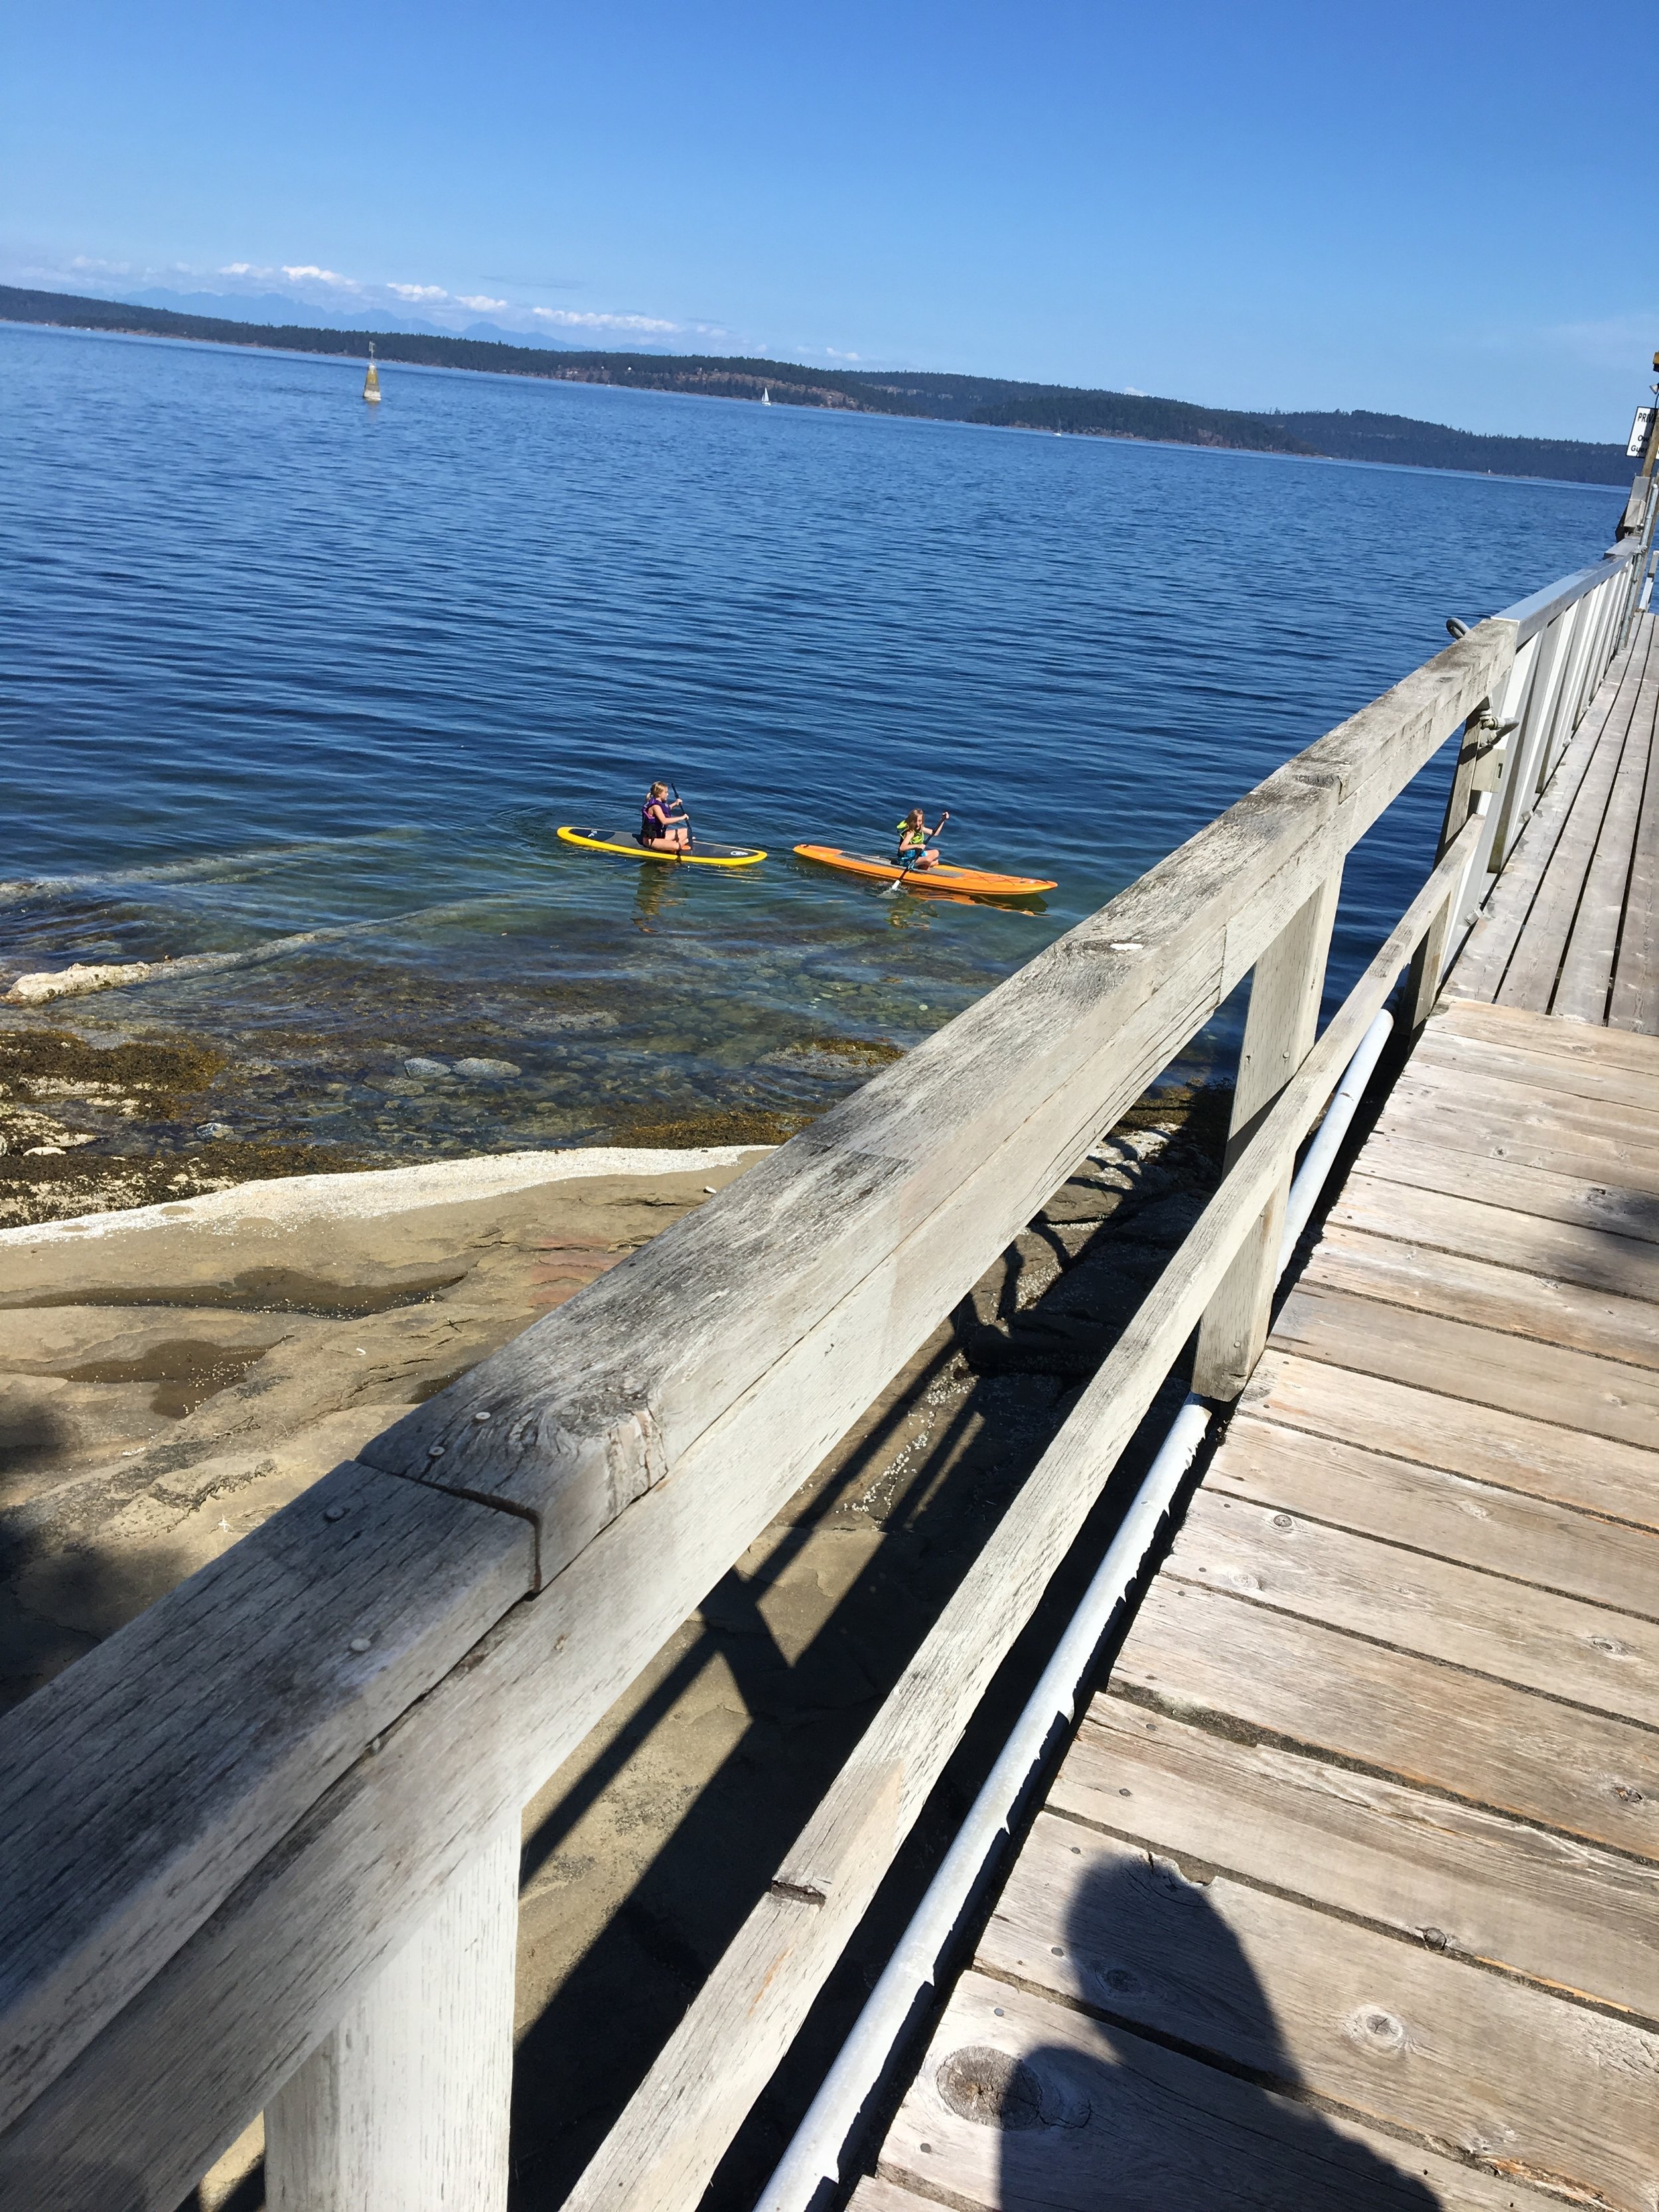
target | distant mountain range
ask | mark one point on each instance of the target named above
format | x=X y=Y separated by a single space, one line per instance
x=992 y=401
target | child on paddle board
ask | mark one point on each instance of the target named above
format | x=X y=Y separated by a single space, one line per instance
x=664 y=826
x=914 y=850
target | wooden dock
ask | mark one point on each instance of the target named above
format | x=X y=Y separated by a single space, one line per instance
x=1347 y=1891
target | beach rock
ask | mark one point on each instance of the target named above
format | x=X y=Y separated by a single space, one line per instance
x=487 y=1071
x=420 y=1066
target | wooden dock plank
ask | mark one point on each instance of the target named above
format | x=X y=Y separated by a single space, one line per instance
x=1634 y=1004
x=1586 y=1198
x=1532 y=1137
x=1435 y=1608
x=1368 y=1815
x=1463 y=1880
x=1513 y=1299
x=1022 y=2102
x=1393 y=2031
x=1530 y=1059
x=1511 y=1026
x=1530 y=1244
x=1518 y=1102
x=1531 y=979
x=1528 y=1540
x=1551 y=1383
x=1538 y=1459
x=1485 y=959
x=1585 y=987
x=1556 y=1114
x=1193 y=1652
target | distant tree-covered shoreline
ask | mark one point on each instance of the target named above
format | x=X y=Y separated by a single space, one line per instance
x=994 y=402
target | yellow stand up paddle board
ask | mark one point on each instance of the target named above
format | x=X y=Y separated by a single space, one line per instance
x=705 y=854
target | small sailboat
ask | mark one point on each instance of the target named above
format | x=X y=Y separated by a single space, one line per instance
x=372 y=381
x=766 y=395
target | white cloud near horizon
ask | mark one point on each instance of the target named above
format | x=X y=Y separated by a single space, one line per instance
x=588 y=319
x=480 y=302
x=421 y=292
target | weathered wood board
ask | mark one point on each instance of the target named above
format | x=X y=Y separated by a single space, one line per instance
x=1368 y=1812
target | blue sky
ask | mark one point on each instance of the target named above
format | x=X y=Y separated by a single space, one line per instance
x=1397 y=206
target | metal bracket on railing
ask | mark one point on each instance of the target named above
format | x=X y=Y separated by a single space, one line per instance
x=1483 y=743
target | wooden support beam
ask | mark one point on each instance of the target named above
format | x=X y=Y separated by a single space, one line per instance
x=1283 y=1017
x=404 y=2107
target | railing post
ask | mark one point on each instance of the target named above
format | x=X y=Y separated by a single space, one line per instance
x=1479 y=759
x=404 y=2107
x=1285 y=990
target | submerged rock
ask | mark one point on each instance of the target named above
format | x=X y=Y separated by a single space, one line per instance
x=420 y=1066
x=486 y=1071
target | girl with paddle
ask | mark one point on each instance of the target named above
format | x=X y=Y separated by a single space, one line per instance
x=665 y=827
x=914 y=850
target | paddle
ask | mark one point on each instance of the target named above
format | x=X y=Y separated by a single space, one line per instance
x=897 y=884
x=690 y=832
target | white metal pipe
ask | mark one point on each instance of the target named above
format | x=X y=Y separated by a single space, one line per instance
x=813 y=2157
x=1321 y=1154
x=814 y=2154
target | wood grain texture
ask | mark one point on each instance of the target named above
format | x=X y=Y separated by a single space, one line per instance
x=1526 y=1058
x=1480 y=971
x=1539 y=1458
x=404 y=2107
x=1523 y=1138
x=1536 y=1033
x=1521 y=1303
x=1502 y=1238
x=1531 y=977
x=1389 y=2030
x=1549 y=1382
x=1635 y=1002
x=1585 y=987
x=1526 y=1539
x=1416 y=1720
x=875 y=2195
x=1555 y=1116
x=1575 y=1191
x=143 y=1784
x=1466 y=1882
x=1286 y=989
x=1434 y=1608
x=1025 y=2104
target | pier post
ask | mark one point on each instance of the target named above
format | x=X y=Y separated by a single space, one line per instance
x=405 y=2106
x=1286 y=989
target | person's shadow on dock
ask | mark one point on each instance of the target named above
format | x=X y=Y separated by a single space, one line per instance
x=1174 y=2091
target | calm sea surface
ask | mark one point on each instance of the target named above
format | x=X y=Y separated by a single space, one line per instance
x=278 y=661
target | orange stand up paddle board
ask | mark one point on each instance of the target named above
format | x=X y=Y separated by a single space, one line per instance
x=972 y=882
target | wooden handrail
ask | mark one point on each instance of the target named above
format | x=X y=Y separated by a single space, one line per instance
x=663 y=2150
x=226 y=1817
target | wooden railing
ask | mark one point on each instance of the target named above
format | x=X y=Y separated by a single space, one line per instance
x=262 y=1844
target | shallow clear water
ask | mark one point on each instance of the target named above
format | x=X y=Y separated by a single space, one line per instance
x=282 y=661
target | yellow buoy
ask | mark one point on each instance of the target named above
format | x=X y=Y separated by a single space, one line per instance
x=372 y=382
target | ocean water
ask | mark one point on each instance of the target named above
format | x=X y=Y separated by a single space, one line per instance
x=279 y=662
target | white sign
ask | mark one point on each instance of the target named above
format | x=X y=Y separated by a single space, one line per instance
x=1638 y=434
